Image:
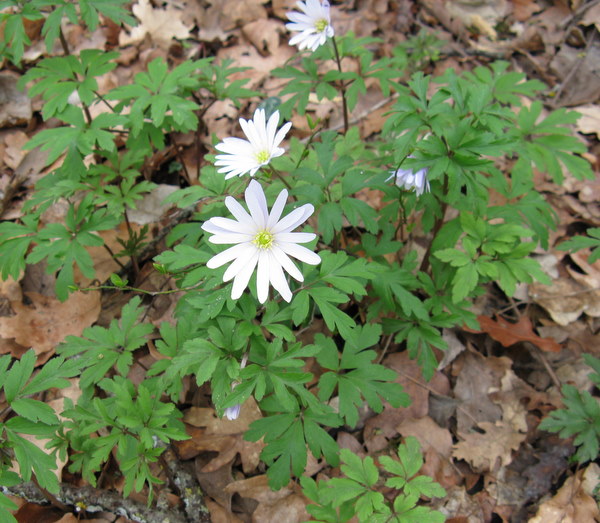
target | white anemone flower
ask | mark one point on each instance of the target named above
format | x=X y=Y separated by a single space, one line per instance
x=313 y=24
x=408 y=179
x=261 y=238
x=242 y=156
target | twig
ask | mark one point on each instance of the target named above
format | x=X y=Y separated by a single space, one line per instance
x=542 y=357
x=96 y=500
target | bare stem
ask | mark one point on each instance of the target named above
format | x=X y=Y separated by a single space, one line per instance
x=110 y=251
x=439 y=221
x=342 y=85
x=134 y=262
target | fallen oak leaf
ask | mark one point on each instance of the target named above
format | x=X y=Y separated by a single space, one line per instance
x=508 y=333
x=491 y=449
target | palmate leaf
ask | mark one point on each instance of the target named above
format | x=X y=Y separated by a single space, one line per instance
x=286 y=436
x=579 y=418
x=113 y=9
x=355 y=374
x=100 y=348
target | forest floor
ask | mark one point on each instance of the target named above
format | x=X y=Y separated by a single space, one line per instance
x=500 y=381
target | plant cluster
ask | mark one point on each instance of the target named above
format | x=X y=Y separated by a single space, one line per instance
x=435 y=165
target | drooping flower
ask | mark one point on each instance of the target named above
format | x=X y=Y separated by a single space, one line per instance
x=233 y=412
x=248 y=156
x=74 y=98
x=261 y=239
x=408 y=179
x=313 y=24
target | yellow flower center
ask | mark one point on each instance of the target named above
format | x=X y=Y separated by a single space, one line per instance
x=264 y=240
x=262 y=156
x=321 y=25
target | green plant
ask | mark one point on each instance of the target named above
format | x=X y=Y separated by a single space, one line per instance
x=580 y=417
x=357 y=493
x=358 y=270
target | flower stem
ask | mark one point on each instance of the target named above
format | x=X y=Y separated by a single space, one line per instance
x=280 y=176
x=439 y=221
x=342 y=85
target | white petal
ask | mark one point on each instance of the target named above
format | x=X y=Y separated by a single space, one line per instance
x=277 y=209
x=257 y=204
x=243 y=256
x=281 y=135
x=262 y=276
x=300 y=253
x=234 y=146
x=295 y=237
x=226 y=256
x=240 y=282
x=235 y=208
x=250 y=131
x=278 y=280
x=271 y=129
x=286 y=263
x=210 y=227
x=232 y=225
x=295 y=218
x=229 y=238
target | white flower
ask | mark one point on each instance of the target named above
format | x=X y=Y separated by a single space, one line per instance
x=261 y=238
x=313 y=24
x=242 y=156
x=408 y=179
x=74 y=98
x=232 y=413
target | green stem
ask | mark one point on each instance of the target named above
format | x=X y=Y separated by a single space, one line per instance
x=137 y=289
x=280 y=176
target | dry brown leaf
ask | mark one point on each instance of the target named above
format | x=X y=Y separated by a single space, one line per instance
x=260 y=67
x=258 y=488
x=589 y=122
x=481 y=15
x=429 y=434
x=161 y=24
x=263 y=34
x=515 y=397
x=523 y=9
x=436 y=445
x=476 y=376
x=15 y=105
x=281 y=7
x=581 y=69
x=218 y=514
x=282 y=506
x=45 y=322
x=490 y=450
x=14 y=153
x=573 y=503
x=291 y=509
x=592 y=17
x=508 y=333
x=223 y=436
x=379 y=429
x=565 y=300
x=150 y=209
x=460 y=506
